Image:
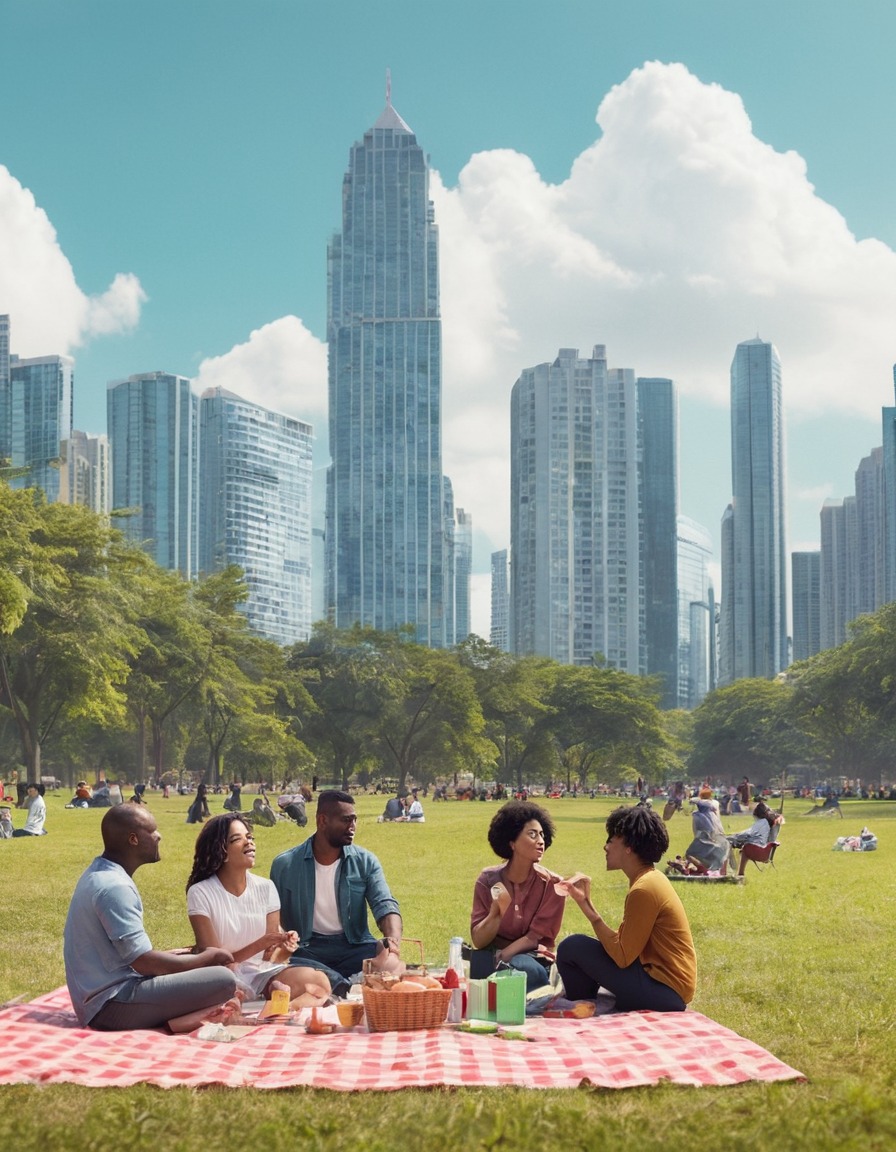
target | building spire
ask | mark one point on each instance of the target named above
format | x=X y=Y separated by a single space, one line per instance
x=389 y=118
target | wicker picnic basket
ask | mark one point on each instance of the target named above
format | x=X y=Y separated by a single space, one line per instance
x=403 y=1011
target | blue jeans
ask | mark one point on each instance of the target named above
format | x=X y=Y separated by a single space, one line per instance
x=335 y=956
x=537 y=976
x=584 y=966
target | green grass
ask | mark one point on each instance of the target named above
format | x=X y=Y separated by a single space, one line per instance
x=799 y=959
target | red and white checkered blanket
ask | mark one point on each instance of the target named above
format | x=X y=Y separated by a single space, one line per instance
x=42 y=1044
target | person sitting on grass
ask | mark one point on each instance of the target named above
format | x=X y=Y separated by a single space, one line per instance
x=37 y=813
x=231 y=907
x=649 y=962
x=516 y=911
x=326 y=885
x=709 y=850
x=115 y=977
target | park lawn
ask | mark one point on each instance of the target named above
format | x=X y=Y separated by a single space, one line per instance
x=799 y=959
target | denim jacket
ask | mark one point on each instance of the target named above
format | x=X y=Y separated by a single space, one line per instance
x=359 y=882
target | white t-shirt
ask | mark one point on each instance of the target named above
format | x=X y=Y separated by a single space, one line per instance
x=37 y=814
x=237 y=920
x=326 y=920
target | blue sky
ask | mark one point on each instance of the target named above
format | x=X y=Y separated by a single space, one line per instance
x=195 y=151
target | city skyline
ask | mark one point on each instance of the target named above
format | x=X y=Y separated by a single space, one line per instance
x=704 y=206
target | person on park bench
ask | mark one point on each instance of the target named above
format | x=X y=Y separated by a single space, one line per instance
x=115 y=977
x=326 y=885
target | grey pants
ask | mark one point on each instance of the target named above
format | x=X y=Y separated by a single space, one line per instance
x=151 y=1001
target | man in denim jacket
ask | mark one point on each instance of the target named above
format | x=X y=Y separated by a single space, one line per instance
x=326 y=885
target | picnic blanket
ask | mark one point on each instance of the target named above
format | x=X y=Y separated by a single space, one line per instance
x=43 y=1044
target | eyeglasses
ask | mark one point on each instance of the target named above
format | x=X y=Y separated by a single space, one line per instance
x=533 y=835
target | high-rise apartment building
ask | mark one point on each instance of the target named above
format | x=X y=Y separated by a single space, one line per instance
x=658 y=420
x=153 y=428
x=839 y=570
x=385 y=502
x=255 y=509
x=40 y=420
x=696 y=630
x=754 y=636
x=499 y=633
x=577 y=590
x=448 y=555
x=463 y=571
x=805 y=582
x=85 y=475
x=871 y=531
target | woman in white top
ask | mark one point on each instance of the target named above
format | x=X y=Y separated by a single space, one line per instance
x=230 y=907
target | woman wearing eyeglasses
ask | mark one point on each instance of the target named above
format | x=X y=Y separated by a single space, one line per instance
x=516 y=912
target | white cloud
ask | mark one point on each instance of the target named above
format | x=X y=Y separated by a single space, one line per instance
x=677 y=234
x=37 y=285
x=282 y=366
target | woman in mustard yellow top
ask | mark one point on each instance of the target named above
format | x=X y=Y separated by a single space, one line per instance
x=649 y=963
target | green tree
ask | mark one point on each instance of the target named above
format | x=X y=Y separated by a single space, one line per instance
x=605 y=722
x=431 y=722
x=745 y=729
x=68 y=619
x=512 y=693
x=340 y=673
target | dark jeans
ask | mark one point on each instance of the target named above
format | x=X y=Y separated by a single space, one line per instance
x=584 y=967
x=335 y=956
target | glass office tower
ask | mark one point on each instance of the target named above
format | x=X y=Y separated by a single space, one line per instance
x=255 y=509
x=463 y=569
x=153 y=434
x=499 y=632
x=754 y=576
x=40 y=420
x=658 y=421
x=385 y=501
x=576 y=585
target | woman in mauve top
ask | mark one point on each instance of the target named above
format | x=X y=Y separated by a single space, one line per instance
x=516 y=910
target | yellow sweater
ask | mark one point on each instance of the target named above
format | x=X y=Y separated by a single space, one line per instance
x=654 y=930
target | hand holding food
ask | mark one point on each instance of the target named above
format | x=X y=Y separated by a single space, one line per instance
x=578 y=886
x=501 y=896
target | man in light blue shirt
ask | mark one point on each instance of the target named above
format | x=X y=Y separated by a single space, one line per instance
x=115 y=977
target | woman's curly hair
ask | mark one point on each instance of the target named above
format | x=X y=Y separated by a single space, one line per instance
x=211 y=846
x=509 y=821
x=641 y=829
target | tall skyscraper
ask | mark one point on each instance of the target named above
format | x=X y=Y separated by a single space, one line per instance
x=499 y=634
x=839 y=570
x=385 y=502
x=754 y=561
x=463 y=570
x=576 y=581
x=85 y=475
x=153 y=430
x=695 y=611
x=658 y=421
x=255 y=509
x=871 y=529
x=805 y=579
x=448 y=558
x=40 y=417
